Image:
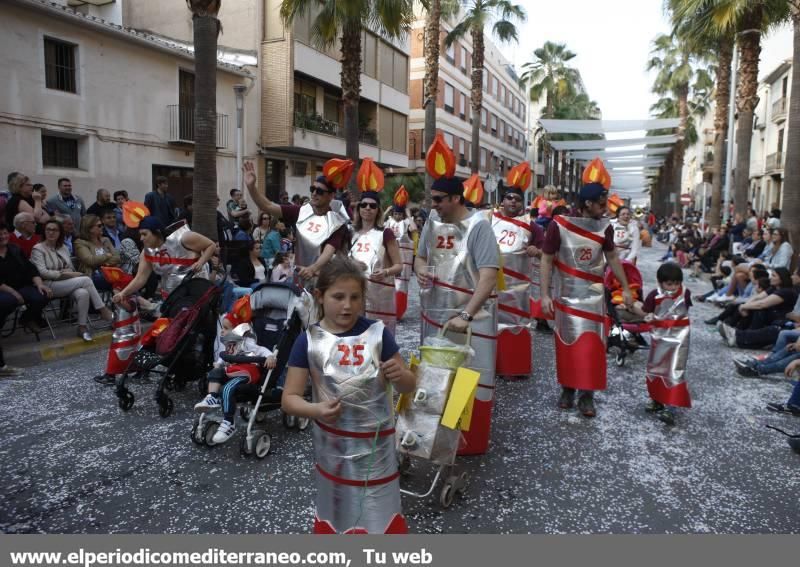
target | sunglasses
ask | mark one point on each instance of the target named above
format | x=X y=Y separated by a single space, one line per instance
x=439 y=198
x=319 y=191
x=367 y=206
x=516 y=198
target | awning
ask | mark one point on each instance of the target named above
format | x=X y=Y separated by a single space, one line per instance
x=602 y=144
x=644 y=152
x=606 y=126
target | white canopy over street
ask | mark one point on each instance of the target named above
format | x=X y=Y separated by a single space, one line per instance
x=606 y=155
x=602 y=144
x=606 y=126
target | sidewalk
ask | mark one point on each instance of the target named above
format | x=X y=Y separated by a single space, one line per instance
x=22 y=349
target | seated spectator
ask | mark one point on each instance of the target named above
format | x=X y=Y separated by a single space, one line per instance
x=779 y=253
x=111 y=229
x=42 y=190
x=267 y=234
x=120 y=198
x=24 y=200
x=20 y=284
x=129 y=249
x=758 y=321
x=786 y=350
x=68 y=227
x=774 y=220
x=52 y=258
x=249 y=272
x=101 y=204
x=94 y=251
x=792 y=405
x=24 y=235
x=756 y=246
x=281 y=268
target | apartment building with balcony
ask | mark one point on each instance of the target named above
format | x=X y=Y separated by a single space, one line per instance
x=503 y=138
x=85 y=98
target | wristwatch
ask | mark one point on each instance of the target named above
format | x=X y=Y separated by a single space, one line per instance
x=466 y=316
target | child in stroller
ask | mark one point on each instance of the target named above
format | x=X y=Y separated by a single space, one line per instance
x=625 y=333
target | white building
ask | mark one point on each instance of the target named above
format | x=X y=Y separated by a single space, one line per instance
x=85 y=98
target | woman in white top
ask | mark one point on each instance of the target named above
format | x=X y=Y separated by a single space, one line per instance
x=626 y=235
x=779 y=254
x=53 y=261
x=250 y=272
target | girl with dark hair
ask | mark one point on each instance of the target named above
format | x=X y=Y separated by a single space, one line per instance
x=779 y=253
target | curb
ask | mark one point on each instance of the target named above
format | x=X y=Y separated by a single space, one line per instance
x=35 y=353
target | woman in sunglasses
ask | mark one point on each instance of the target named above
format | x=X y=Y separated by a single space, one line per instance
x=377 y=248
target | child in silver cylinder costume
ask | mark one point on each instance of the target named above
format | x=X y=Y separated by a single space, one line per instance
x=353 y=364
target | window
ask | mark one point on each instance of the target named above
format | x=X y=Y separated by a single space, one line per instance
x=464 y=60
x=483 y=159
x=495 y=84
x=494 y=125
x=485 y=80
x=369 y=56
x=503 y=94
x=58 y=151
x=462 y=148
x=386 y=63
x=448 y=98
x=462 y=105
x=392 y=130
x=331 y=108
x=502 y=130
x=305 y=97
x=299 y=168
x=484 y=118
x=400 y=81
x=450 y=53
x=449 y=139
x=400 y=130
x=59 y=65
x=273 y=25
x=514 y=105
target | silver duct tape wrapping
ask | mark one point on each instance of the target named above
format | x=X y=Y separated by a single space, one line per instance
x=669 y=346
x=513 y=235
x=312 y=230
x=400 y=230
x=368 y=249
x=172 y=274
x=356 y=460
x=129 y=332
x=536 y=279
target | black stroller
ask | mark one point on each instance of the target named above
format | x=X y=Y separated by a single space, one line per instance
x=280 y=313
x=185 y=348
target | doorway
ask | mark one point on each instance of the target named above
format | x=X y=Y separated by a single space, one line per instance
x=180 y=181
x=274 y=170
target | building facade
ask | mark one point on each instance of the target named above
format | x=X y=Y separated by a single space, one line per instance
x=503 y=118
x=108 y=107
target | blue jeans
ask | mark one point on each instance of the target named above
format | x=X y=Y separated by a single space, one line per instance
x=780 y=357
x=794 y=399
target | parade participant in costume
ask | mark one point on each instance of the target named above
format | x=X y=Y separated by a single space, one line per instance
x=400 y=221
x=457 y=266
x=353 y=364
x=516 y=240
x=579 y=248
x=375 y=247
x=127 y=328
x=626 y=235
x=172 y=253
x=320 y=225
x=545 y=203
x=667 y=310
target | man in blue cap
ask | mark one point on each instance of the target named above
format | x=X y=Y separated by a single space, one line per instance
x=579 y=248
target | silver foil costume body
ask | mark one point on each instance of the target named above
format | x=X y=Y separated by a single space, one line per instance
x=514 y=305
x=172 y=260
x=579 y=303
x=312 y=230
x=125 y=338
x=368 y=248
x=406 y=244
x=623 y=238
x=669 y=349
x=456 y=277
x=356 y=465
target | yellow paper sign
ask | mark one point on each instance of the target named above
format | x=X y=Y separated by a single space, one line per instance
x=459 y=403
x=404 y=399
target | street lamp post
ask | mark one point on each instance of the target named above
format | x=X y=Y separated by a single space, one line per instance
x=239 y=91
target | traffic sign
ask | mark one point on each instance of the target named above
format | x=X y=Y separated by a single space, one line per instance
x=686 y=199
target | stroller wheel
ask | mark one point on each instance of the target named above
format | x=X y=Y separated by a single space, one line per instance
x=262 y=445
x=620 y=359
x=261 y=417
x=244 y=413
x=125 y=401
x=166 y=407
x=209 y=429
x=303 y=423
x=447 y=494
x=461 y=483
x=289 y=421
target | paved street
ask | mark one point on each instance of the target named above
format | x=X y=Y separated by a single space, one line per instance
x=71 y=461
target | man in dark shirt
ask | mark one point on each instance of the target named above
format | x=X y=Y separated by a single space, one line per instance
x=102 y=203
x=161 y=205
x=20 y=284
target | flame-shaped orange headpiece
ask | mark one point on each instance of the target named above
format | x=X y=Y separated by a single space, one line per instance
x=440 y=160
x=519 y=176
x=133 y=213
x=117 y=277
x=337 y=172
x=596 y=172
x=369 y=177
x=241 y=311
x=473 y=189
x=614 y=203
x=400 y=196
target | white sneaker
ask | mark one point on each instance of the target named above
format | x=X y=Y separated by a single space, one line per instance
x=224 y=432
x=730 y=335
x=726 y=299
x=10 y=371
x=210 y=402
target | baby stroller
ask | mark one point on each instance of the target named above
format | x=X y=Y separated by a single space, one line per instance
x=624 y=337
x=280 y=313
x=182 y=342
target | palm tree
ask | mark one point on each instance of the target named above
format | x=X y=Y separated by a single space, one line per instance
x=695 y=24
x=478 y=14
x=204 y=181
x=791 y=194
x=345 y=20
x=674 y=63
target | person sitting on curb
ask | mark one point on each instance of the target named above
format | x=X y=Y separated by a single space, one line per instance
x=785 y=351
x=792 y=406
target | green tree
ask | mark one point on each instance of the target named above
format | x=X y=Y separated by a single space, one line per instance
x=204 y=181
x=791 y=193
x=501 y=16
x=345 y=20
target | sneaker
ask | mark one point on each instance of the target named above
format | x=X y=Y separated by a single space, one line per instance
x=224 y=432
x=210 y=402
x=745 y=369
x=10 y=370
x=712 y=321
x=726 y=299
x=586 y=405
x=653 y=406
x=666 y=416
x=730 y=335
x=784 y=408
x=567 y=399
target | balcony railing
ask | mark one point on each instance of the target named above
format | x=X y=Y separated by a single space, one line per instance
x=317 y=123
x=775 y=161
x=779 y=109
x=181 y=126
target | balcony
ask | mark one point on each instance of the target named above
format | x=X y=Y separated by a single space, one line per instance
x=779 y=108
x=708 y=159
x=316 y=123
x=181 y=126
x=774 y=163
